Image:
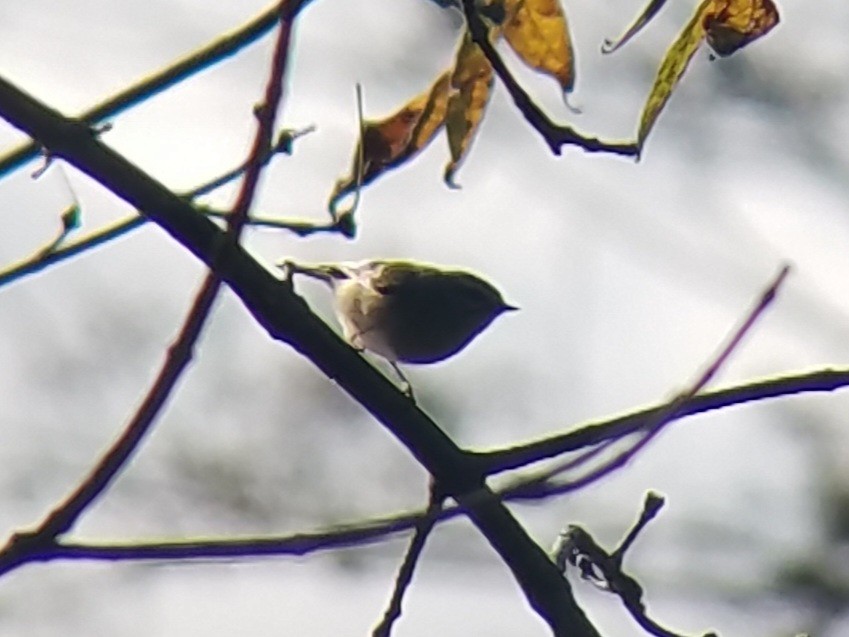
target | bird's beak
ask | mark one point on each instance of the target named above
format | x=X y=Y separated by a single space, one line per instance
x=508 y=308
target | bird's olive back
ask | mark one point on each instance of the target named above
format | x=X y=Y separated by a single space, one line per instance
x=435 y=313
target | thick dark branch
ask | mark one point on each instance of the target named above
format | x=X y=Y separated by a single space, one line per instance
x=287 y=318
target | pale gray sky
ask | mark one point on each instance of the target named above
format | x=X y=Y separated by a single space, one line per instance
x=629 y=276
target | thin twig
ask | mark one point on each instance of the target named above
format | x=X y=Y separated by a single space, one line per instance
x=266 y=114
x=652 y=429
x=70 y=217
x=590 y=434
x=43 y=259
x=339 y=536
x=283 y=145
x=555 y=135
x=577 y=547
x=348 y=213
x=374 y=530
x=300 y=227
x=23 y=546
x=423 y=527
x=214 y=52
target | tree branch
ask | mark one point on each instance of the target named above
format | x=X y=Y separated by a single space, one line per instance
x=544 y=480
x=370 y=531
x=287 y=318
x=423 y=527
x=43 y=260
x=214 y=52
x=555 y=135
x=818 y=381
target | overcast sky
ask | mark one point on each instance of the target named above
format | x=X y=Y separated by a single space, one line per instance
x=629 y=276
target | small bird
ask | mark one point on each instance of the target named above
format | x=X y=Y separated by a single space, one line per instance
x=405 y=311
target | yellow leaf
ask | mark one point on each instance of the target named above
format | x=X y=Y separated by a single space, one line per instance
x=732 y=24
x=727 y=25
x=673 y=66
x=646 y=16
x=539 y=34
x=471 y=83
x=388 y=142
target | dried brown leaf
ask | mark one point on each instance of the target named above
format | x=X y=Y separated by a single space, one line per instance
x=391 y=141
x=732 y=24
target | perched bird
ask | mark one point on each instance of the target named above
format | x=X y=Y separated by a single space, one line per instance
x=404 y=311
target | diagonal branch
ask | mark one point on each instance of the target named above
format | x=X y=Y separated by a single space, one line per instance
x=287 y=318
x=424 y=526
x=42 y=261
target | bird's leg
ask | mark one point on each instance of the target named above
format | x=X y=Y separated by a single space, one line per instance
x=406 y=386
x=355 y=340
x=288 y=271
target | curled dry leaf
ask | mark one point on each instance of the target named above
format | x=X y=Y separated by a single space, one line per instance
x=391 y=141
x=539 y=34
x=728 y=25
x=470 y=88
